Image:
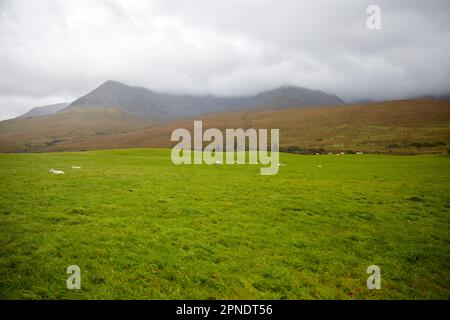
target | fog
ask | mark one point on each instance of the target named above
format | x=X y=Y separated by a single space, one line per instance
x=56 y=51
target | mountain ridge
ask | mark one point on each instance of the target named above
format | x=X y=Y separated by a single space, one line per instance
x=161 y=106
x=44 y=110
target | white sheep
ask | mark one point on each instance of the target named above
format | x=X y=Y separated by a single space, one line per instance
x=56 y=171
x=76 y=167
x=218 y=162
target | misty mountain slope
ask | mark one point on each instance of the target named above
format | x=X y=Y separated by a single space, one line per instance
x=44 y=110
x=165 y=107
x=139 y=101
x=288 y=97
x=396 y=126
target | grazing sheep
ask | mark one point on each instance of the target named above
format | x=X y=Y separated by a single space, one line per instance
x=359 y=153
x=281 y=165
x=56 y=171
x=218 y=162
x=319 y=166
x=76 y=167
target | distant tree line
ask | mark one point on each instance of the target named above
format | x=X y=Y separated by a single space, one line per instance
x=417 y=145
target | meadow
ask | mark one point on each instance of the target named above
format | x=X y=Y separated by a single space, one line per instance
x=140 y=227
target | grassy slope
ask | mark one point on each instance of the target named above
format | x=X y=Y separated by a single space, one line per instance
x=367 y=127
x=140 y=227
x=46 y=133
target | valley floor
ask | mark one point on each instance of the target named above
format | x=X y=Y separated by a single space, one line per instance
x=140 y=227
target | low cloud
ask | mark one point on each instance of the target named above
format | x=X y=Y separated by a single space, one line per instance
x=55 y=51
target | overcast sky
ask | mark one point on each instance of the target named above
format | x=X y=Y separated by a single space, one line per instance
x=56 y=51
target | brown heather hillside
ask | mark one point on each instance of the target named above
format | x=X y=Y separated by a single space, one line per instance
x=50 y=132
x=409 y=126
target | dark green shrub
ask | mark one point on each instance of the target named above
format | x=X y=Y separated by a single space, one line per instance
x=393 y=146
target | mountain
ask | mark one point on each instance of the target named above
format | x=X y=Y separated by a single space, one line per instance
x=409 y=126
x=44 y=110
x=159 y=106
x=289 y=96
x=115 y=108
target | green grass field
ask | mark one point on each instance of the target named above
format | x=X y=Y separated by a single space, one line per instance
x=140 y=227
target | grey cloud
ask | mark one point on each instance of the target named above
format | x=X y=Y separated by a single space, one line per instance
x=52 y=50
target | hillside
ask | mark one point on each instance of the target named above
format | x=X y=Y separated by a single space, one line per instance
x=44 y=110
x=400 y=127
x=159 y=106
x=50 y=132
x=409 y=126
